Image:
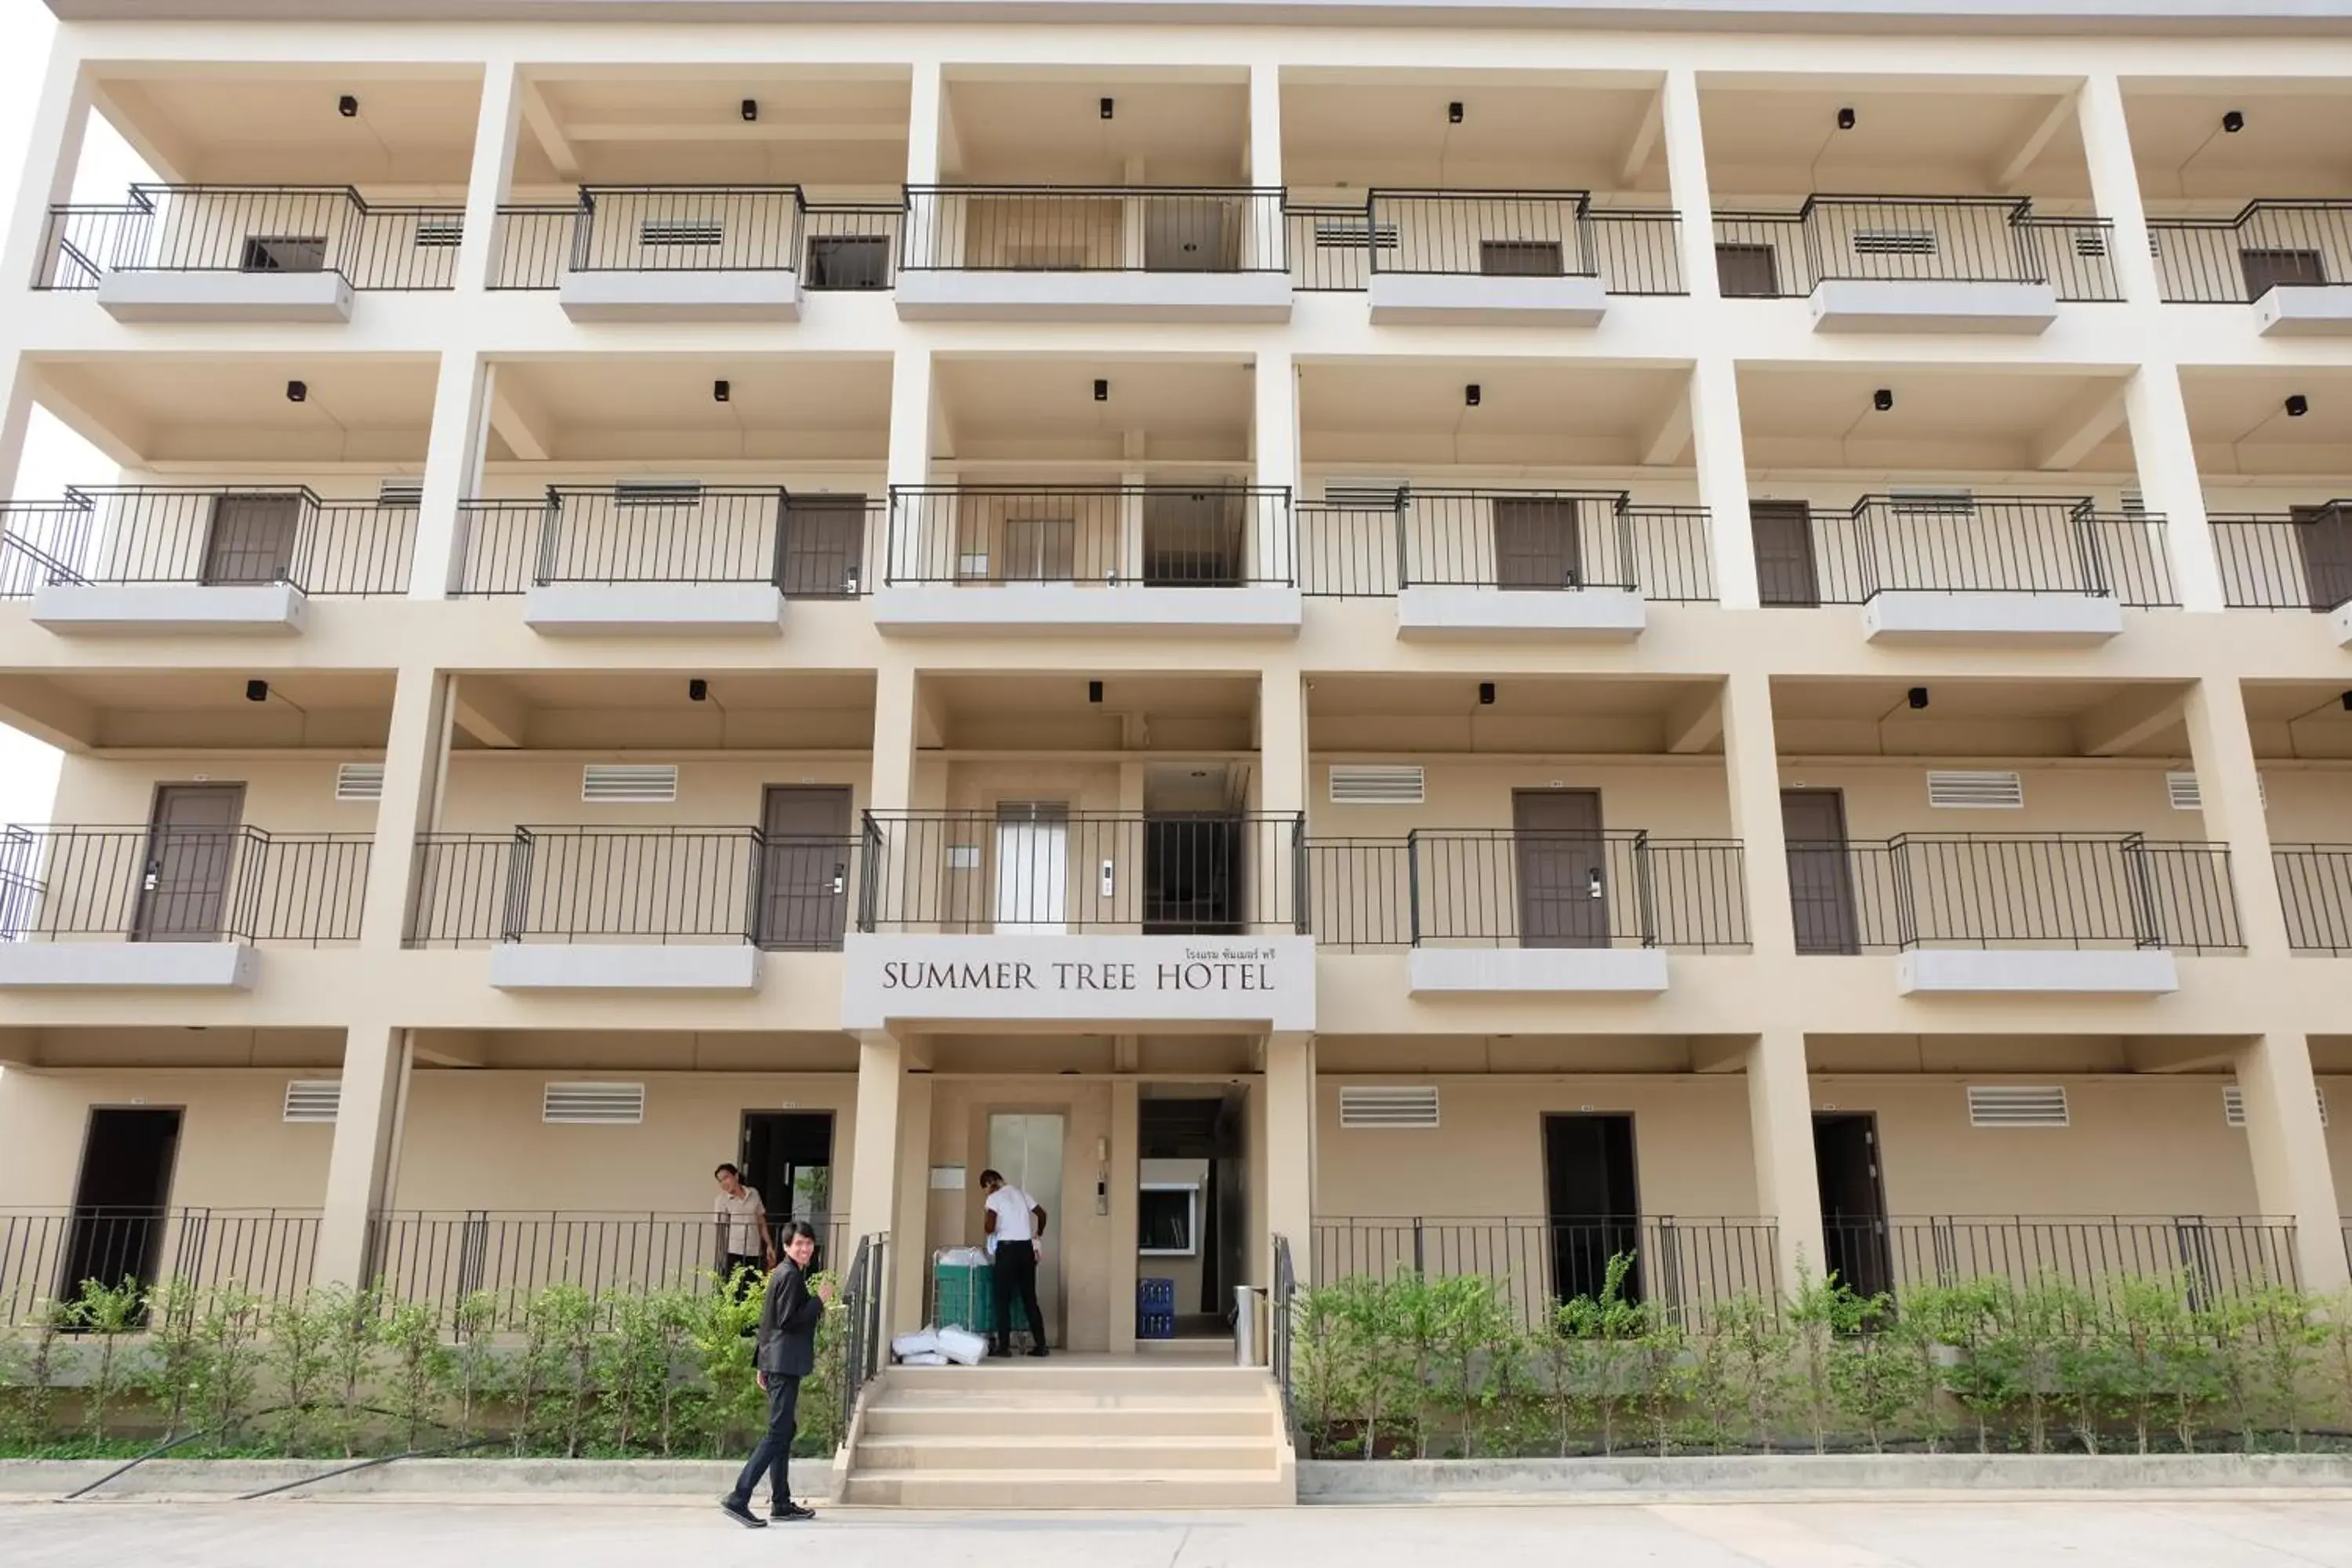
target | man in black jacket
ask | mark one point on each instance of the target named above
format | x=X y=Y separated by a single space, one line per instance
x=787 y=1353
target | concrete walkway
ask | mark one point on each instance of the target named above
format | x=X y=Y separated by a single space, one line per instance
x=2109 y=1530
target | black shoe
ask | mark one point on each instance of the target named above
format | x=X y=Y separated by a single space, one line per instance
x=790 y=1513
x=740 y=1510
x=1037 y=1353
x=999 y=1351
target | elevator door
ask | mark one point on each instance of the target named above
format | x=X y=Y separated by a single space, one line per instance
x=1025 y=1147
x=1032 y=868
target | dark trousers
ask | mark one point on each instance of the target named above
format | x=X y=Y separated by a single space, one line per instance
x=774 y=1453
x=1015 y=1275
x=729 y=1271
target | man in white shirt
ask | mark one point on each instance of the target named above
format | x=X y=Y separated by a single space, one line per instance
x=1014 y=1224
x=743 y=1221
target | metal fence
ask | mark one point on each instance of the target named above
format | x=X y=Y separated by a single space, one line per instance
x=253 y=229
x=1092 y=228
x=2012 y=890
x=1035 y=867
x=2266 y=245
x=220 y=535
x=2298 y=560
x=2315 y=891
x=1159 y=535
x=1686 y=1267
x=2215 y=1257
x=1958 y=543
x=810 y=544
x=1957 y=240
x=1493 y=234
x=656 y=884
x=46 y=1254
x=1531 y=540
x=180 y=884
x=32 y=535
x=865 y=1298
x=1507 y=888
x=698 y=228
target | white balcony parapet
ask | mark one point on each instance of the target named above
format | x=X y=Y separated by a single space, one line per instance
x=218 y=296
x=1071 y=608
x=170 y=609
x=1920 y=616
x=999 y=295
x=2305 y=312
x=127 y=966
x=1922 y=305
x=624 y=966
x=1584 y=614
x=1249 y=982
x=655 y=609
x=1537 y=970
x=1437 y=299
x=2098 y=972
x=2339 y=625
x=767 y=294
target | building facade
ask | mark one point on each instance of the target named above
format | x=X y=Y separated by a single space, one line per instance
x=1339 y=642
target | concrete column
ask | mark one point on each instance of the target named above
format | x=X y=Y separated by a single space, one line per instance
x=1126 y=1197
x=2230 y=790
x=910 y=1248
x=453 y=472
x=1751 y=762
x=2288 y=1145
x=892 y=785
x=1266 y=126
x=1290 y=1144
x=15 y=419
x=912 y=556
x=874 y=1153
x=1721 y=453
x=1780 y=1129
x=2115 y=186
x=52 y=158
x=1275 y=447
x=1686 y=182
x=1282 y=742
x=2170 y=484
x=375 y=1074
x=927 y=108
x=495 y=132
x=416 y=762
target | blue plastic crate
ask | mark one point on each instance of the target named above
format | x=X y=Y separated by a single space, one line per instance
x=1155 y=1296
x=1155 y=1325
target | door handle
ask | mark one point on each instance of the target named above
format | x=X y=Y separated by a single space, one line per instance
x=1592 y=884
x=840 y=876
x=155 y=876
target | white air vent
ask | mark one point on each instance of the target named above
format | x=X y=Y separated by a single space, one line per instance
x=2093 y=242
x=657 y=492
x=359 y=781
x=397 y=495
x=1366 y=495
x=593 y=1104
x=312 y=1099
x=2181 y=790
x=1354 y=234
x=1377 y=784
x=2233 y=1105
x=1933 y=503
x=442 y=231
x=2027 y=1106
x=629 y=783
x=1379 y=1106
x=654 y=231
x=1894 y=242
x=1967 y=791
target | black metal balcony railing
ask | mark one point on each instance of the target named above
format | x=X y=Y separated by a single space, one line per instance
x=46 y=1254
x=1958 y=543
x=180 y=884
x=1528 y=540
x=2298 y=560
x=1092 y=228
x=698 y=228
x=1683 y=1267
x=1036 y=868
x=253 y=229
x=1945 y=239
x=1491 y=234
x=2315 y=891
x=2012 y=890
x=1157 y=535
x=1507 y=888
x=658 y=885
x=2264 y=245
x=811 y=545
x=2215 y=1257
x=215 y=535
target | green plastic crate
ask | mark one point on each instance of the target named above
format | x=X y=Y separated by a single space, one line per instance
x=964 y=1297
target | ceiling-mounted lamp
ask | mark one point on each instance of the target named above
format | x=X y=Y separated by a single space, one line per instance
x=1916 y=696
x=298 y=391
x=1485 y=694
x=1845 y=119
x=2233 y=120
x=348 y=107
x=2297 y=405
x=751 y=110
x=1472 y=395
x=1454 y=112
x=1108 y=107
x=721 y=391
x=697 y=689
x=1883 y=399
x=257 y=691
x=1102 y=390
x=1093 y=691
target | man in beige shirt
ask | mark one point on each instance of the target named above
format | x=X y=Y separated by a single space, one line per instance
x=744 y=1243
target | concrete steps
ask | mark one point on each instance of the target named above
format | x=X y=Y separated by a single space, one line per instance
x=1073 y=1434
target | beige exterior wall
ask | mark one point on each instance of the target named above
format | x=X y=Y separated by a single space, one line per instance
x=235 y=1151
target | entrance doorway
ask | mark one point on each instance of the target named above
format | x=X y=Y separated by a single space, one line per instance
x=1562 y=868
x=119 y=1199
x=1591 y=1201
x=803 y=868
x=1026 y=1147
x=1536 y=543
x=787 y=1156
x=1192 y=1213
x=1853 y=1200
x=191 y=847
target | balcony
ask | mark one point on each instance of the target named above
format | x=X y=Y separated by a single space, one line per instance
x=2029 y=913
x=1503 y=912
x=1928 y=264
x=2291 y=261
x=1036 y=914
x=1480 y=563
x=169 y=908
x=693 y=253
x=1962 y=569
x=1094 y=253
x=1093 y=558
x=667 y=558
x=1539 y=259
x=164 y=560
x=2316 y=890
x=246 y=253
x=2298 y=560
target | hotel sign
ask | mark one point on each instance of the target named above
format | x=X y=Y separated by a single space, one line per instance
x=1265 y=982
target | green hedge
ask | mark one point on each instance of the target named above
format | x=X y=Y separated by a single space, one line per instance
x=1442 y=1367
x=626 y=1373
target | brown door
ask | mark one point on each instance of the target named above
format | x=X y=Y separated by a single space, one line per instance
x=1195 y=538
x=1536 y=544
x=1783 y=531
x=2268 y=269
x=1519 y=257
x=803 y=868
x=192 y=839
x=251 y=539
x=1562 y=862
x=820 y=546
x=1821 y=882
x=1747 y=271
x=2322 y=536
x=1191 y=234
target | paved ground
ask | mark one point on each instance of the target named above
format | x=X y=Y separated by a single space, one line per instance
x=2106 y=1532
